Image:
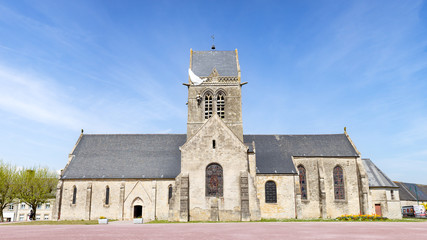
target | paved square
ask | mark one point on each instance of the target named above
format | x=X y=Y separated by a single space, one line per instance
x=247 y=231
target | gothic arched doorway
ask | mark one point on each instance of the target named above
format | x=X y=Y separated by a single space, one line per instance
x=137 y=211
x=136 y=208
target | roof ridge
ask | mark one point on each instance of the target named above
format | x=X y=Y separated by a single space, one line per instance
x=112 y=134
x=410 y=183
x=326 y=134
x=215 y=51
x=131 y=134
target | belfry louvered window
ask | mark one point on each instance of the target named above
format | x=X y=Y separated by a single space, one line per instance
x=302 y=182
x=214 y=180
x=270 y=192
x=339 y=183
x=208 y=106
x=220 y=105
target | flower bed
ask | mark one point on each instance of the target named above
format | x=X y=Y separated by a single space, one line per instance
x=359 y=217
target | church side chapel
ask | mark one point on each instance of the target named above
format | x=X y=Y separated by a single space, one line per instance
x=215 y=172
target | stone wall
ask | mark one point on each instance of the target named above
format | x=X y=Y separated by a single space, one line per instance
x=285 y=206
x=91 y=195
x=231 y=154
x=175 y=202
x=233 y=107
x=321 y=200
x=390 y=206
x=254 y=203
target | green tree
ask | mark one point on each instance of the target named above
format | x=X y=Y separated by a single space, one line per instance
x=36 y=186
x=8 y=187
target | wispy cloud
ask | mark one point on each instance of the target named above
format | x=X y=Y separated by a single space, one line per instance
x=46 y=101
x=28 y=96
x=117 y=98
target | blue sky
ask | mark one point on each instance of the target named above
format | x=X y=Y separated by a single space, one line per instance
x=313 y=67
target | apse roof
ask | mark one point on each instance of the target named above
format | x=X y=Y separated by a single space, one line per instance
x=376 y=177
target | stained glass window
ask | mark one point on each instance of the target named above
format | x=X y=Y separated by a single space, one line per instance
x=302 y=182
x=208 y=106
x=74 y=194
x=220 y=105
x=270 y=192
x=214 y=180
x=339 y=183
x=107 y=195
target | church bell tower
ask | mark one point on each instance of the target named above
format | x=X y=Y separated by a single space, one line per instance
x=214 y=88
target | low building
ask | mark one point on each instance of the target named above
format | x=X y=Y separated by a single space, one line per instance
x=20 y=211
x=384 y=193
x=412 y=194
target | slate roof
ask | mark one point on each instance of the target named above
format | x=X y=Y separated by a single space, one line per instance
x=274 y=152
x=158 y=155
x=412 y=191
x=376 y=177
x=126 y=156
x=225 y=62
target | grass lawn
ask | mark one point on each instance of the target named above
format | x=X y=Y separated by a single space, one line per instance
x=302 y=220
x=65 y=222
x=95 y=222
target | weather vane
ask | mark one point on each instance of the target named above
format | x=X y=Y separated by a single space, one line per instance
x=213 y=42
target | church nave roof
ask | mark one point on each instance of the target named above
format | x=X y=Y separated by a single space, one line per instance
x=102 y=156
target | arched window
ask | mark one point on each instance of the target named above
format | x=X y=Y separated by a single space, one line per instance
x=107 y=195
x=270 y=192
x=339 y=183
x=220 y=105
x=74 y=194
x=208 y=106
x=302 y=182
x=169 y=193
x=214 y=180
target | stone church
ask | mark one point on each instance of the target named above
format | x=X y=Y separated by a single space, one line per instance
x=215 y=172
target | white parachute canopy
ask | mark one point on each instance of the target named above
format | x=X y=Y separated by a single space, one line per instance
x=194 y=78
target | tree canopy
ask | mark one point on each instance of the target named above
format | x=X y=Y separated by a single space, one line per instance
x=36 y=186
x=8 y=186
x=33 y=186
